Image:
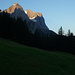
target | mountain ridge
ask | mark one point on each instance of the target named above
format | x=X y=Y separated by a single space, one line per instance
x=32 y=14
x=35 y=20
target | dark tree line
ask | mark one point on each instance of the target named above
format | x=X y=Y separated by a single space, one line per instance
x=16 y=30
x=61 y=32
x=13 y=29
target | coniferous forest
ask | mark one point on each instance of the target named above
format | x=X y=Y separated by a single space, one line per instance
x=17 y=30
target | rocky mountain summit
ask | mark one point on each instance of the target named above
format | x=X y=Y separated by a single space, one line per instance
x=32 y=15
x=16 y=11
x=35 y=20
x=11 y=9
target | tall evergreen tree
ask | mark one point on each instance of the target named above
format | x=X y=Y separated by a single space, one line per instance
x=60 y=31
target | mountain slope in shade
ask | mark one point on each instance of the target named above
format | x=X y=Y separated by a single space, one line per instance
x=35 y=20
x=39 y=23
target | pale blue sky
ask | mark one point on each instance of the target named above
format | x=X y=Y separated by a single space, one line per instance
x=56 y=12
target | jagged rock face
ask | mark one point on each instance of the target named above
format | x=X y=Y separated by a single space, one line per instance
x=37 y=18
x=16 y=11
x=12 y=8
x=32 y=15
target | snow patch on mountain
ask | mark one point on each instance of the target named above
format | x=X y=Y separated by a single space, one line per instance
x=26 y=12
x=34 y=20
x=14 y=4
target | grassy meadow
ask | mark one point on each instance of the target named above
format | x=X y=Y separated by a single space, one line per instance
x=17 y=59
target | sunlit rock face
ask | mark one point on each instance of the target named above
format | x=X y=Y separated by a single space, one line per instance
x=32 y=15
x=16 y=11
x=12 y=8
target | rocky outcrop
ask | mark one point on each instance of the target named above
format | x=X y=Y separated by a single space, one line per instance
x=32 y=15
x=11 y=9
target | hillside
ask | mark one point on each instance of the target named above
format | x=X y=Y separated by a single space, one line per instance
x=17 y=59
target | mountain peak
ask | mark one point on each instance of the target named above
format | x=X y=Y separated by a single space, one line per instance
x=32 y=14
x=15 y=3
x=12 y=8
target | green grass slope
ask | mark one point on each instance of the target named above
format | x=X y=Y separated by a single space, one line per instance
x=17 y=59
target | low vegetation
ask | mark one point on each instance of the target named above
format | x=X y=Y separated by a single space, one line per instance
x=17 y=59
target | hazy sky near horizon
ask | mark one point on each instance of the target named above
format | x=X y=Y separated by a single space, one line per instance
x=56 y=13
